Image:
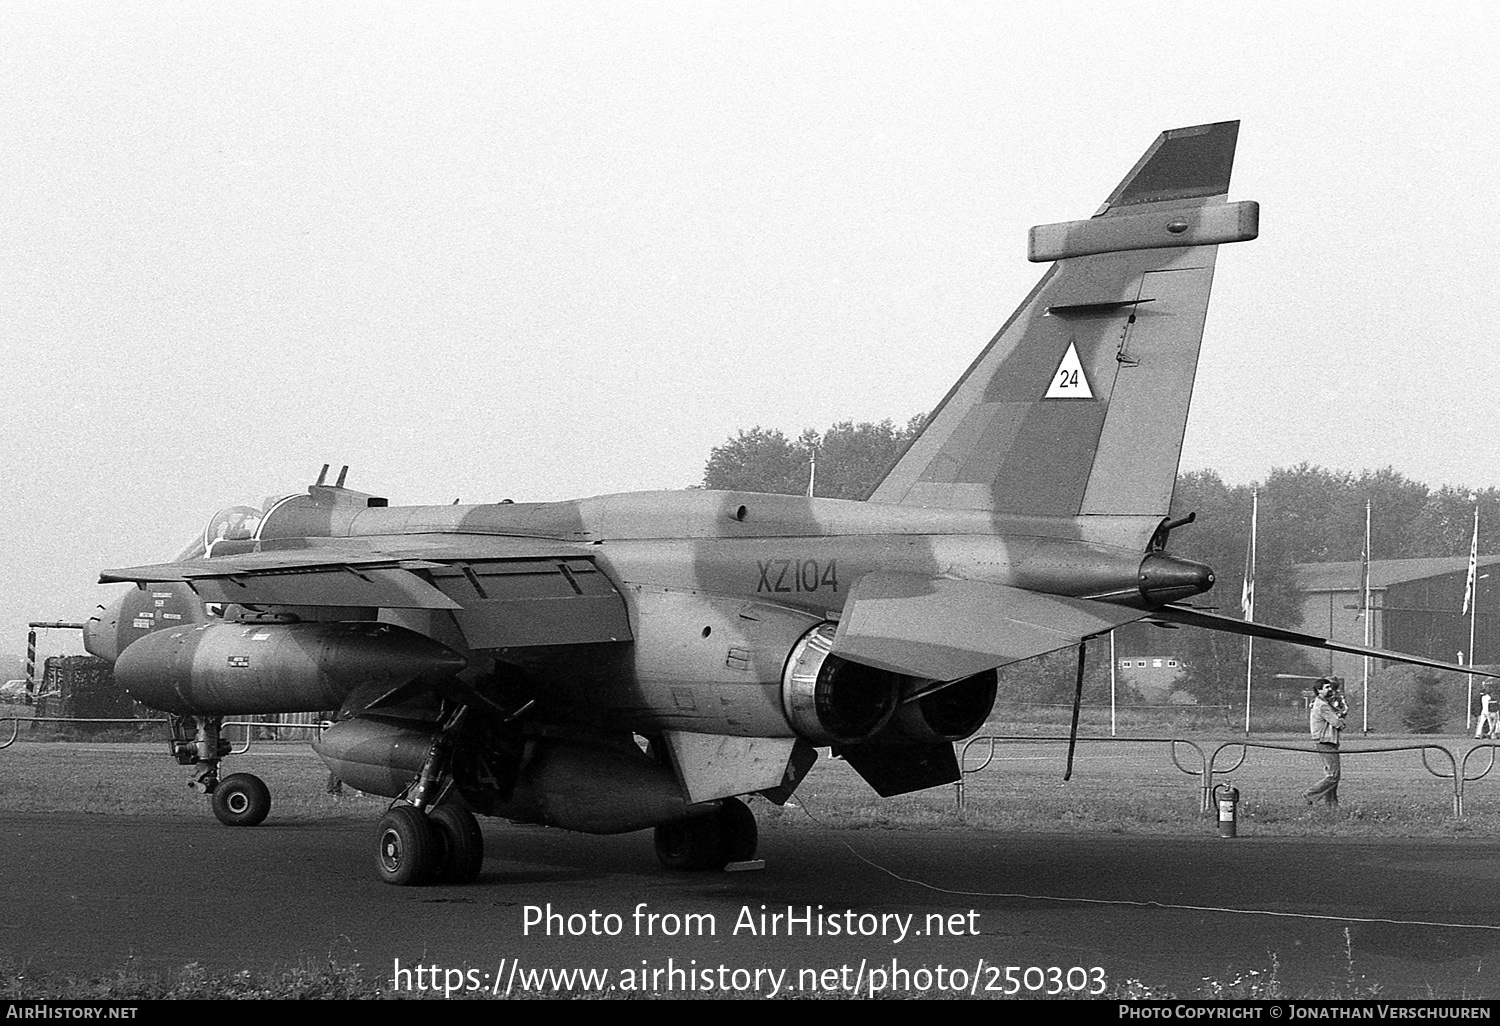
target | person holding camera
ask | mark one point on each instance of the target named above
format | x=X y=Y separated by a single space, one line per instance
x=1325 y=720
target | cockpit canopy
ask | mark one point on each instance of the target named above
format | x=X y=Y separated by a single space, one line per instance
x=234 y=523
x=230 y=524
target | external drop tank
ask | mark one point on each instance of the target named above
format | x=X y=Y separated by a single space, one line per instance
x=587 y=784
x=212 y=669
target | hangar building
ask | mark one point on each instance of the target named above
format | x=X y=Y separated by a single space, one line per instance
x=1416 y=607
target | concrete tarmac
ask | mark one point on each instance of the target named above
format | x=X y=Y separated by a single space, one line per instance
x=89 y=895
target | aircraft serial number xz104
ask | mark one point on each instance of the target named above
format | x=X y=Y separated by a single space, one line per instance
x=786 y=576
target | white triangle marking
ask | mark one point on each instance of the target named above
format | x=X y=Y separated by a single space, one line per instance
x=1069 y=380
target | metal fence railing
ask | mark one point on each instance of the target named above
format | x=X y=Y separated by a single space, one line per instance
x=251 y=728
x=1452 y=767
x=1345 y=752
x=1206 y=769
x=992 y=739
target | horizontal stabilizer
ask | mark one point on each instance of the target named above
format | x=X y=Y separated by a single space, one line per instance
x=1189 y=617
x=938 y=628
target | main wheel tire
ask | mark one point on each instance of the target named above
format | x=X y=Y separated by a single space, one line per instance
x=409 y=852
x=691 y=845
x=461 y=841
x=241 y=799
x=738 y=830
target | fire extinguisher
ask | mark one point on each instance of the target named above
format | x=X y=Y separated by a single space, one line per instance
x=1228 y=800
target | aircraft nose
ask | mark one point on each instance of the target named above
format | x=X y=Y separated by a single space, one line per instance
x=101 y=635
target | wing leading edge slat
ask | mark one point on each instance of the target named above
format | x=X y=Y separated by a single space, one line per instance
x=558 y=598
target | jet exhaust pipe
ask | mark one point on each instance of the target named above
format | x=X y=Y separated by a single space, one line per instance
x=951 y=713
x=238 y=668
x=830 y=700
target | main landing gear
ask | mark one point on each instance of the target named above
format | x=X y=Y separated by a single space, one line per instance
x=240 y=799
x=444 y=846
x=711 y=841
x=430 y=840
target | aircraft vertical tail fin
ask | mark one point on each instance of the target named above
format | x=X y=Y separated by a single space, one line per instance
x=1078 y=404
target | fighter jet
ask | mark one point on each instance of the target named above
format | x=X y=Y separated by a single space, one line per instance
x=648 y=660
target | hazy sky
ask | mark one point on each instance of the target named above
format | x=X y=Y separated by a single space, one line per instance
x=540 y=251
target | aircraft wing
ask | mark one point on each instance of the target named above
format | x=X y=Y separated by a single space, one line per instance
x=413 y=551
x=1189 y=617
x=501 y=592
x=939 y=628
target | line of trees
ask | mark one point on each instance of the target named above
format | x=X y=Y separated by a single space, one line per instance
x=851 y=458
x=1308 y=514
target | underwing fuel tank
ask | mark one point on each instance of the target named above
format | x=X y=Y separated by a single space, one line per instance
x=225 y=668
x=586 y=786
x=376 y=755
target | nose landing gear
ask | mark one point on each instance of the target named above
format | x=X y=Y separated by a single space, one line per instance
x=240 y=799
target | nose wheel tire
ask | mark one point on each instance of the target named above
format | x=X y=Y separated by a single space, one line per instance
x=241 y=799
x=461 y=841
x=409 y=852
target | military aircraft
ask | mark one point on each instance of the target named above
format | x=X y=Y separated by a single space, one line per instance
x=646 y=660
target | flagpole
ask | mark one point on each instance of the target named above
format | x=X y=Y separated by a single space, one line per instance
x=1471 y=599
x=1247 y=601
x=1249 y=659
x=1365 y=603
x=1112 y=665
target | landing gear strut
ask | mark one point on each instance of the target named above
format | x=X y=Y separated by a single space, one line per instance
x=712 y=841
x=240 y=799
